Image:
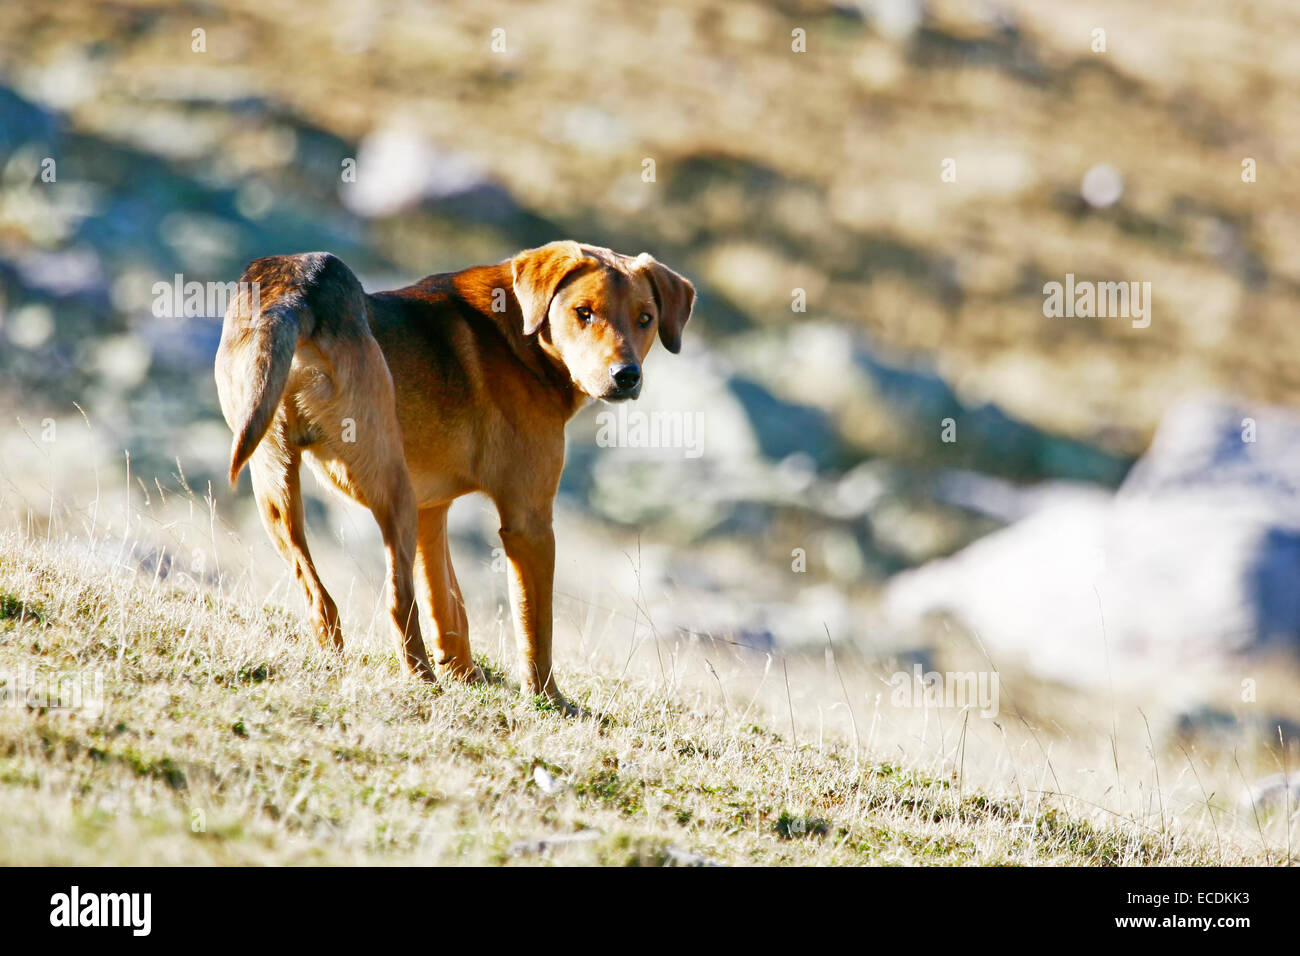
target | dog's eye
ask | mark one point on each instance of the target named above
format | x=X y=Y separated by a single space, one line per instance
x=646 y=319
x=584 y=313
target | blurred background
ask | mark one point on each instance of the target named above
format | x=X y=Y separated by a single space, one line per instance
x=903 y=458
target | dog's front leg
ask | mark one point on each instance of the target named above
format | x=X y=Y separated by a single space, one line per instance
x=529 y=543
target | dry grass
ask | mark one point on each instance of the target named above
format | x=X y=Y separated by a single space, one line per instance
x=227 y=737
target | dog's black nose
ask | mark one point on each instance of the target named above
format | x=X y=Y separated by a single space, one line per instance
x=626 y=377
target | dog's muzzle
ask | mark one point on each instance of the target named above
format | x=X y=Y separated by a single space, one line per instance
x=626 y=380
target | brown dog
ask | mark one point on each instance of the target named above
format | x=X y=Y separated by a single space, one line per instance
x=407 y=400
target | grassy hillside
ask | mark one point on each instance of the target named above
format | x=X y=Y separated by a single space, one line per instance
x=226 y=737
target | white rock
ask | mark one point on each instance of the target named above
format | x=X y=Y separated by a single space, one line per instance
x=1194 y=560
x=397 y=167
x=546 y=782
x=1102 y=186
x=1278 y=792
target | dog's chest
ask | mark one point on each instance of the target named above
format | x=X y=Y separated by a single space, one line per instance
x=435 y=487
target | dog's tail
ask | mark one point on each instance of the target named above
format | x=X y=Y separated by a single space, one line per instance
x=260 y=363
x=282 y=302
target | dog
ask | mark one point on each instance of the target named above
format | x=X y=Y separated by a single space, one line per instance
x=406 y=400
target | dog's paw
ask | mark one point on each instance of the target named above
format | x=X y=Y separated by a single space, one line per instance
x=426 y=675
x=473 y=674
x=564 y=706
x=552 y=699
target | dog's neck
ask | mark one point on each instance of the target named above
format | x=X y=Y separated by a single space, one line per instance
x=535 y=352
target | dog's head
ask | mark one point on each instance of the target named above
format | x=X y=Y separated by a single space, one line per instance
x=598 y=311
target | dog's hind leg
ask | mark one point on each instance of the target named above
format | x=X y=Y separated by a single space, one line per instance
x=359 y=451
x=441 y=594
x=393 y=506
x=274 y=467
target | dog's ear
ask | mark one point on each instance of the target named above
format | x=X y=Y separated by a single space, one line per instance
x=537 y=273
x=676 y=297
